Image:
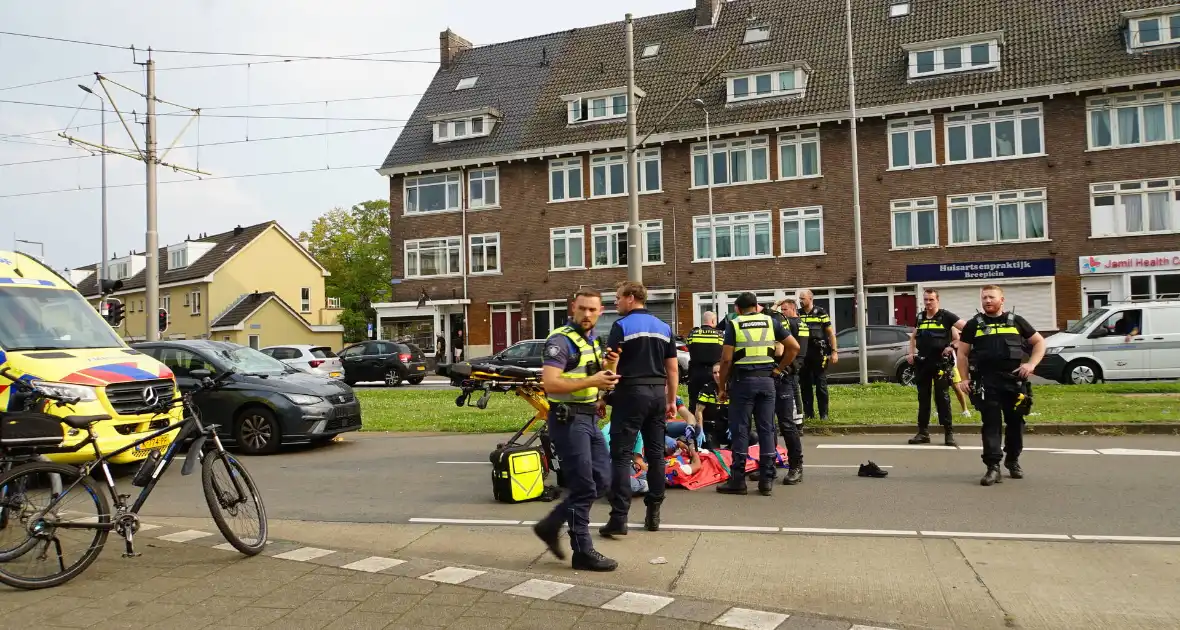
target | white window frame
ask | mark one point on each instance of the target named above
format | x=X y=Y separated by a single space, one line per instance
x=801 y=216
x=585 y=108
x=194 y=302
x=1016 y=115
x=746 y=145
x=462 y=128
x=605 y=162
x=119 y=270
x=1166 y=37
x=756 y=34
x=971 y=201
x=490 y=240
x=913 y=207
x=733 y=220
x=777 y=88
x=568 y=235
x=964 y=47
x=1108 y=105
x=178 y=258
x=415 y=247
x=796 y=142
x=612 y=232
x=911 y=127
x=451 y=182
x=1118 y=211
x=333 y=302
x=485 y=177
x=466 y=83
x=567 y=167
x=166 y=304
x=304 y=299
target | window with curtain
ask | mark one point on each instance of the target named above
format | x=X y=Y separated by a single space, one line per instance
x=1008 y=216
x=1135 y=207
x=1131 y=120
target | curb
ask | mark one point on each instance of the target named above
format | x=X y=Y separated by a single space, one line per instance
x=1064 y=428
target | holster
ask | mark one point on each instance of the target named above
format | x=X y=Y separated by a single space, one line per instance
x=1024 y=399
x=561 y=413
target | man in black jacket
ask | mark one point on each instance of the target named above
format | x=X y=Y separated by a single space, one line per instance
x=704 y=351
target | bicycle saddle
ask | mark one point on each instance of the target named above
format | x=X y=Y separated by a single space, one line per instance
x=81 y=422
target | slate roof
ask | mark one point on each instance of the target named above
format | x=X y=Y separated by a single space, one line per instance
x=1045 y=42
x=244 y=308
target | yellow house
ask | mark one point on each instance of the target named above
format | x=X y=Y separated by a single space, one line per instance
x=255 y=286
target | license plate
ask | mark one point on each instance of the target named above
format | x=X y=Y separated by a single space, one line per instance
x=421 y=368
x=334 y=374
x=154 y=443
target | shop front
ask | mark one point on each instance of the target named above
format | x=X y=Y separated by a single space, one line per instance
x=422 y=324
x=1028 y=284
x=887 y=304
x=1108 y=278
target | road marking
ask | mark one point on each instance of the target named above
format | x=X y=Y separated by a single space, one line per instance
x=995 y=535
x=1062 y=451
x=746 y=619
x=1040 y=449
x=868 y=628
x=143 y=527
x=638 y=603
x=721 y=528
x=860 y=532
x=892 y=447
x=1138 y=451
x=303 y=554
x=539 y=589
x=462 y=521
x=452 y=575
x=185 y=536
x=463 y=463
x=373 y=564
x=225 y=547
x=837 y=466
x=1162 y=539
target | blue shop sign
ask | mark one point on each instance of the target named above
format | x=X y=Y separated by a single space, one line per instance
x=987 y=270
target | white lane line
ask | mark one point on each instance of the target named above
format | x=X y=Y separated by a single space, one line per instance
x=837 y=466
x=1062 y=451
x=185 y=536
x=720 y=528
x=857 y=532
x=638 y=603
x=452 y=575
x=746 y=619
x=1138 y=451
x=539 y=589
x=995 y=535
x=1161 y=539
x=373 y=564
x=868 y=628
x=892 y=447
x=463 y=521
x=482 y=463
x=303 y=554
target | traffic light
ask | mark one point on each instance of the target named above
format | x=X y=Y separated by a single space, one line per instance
x=163 y=320
x=114 y=310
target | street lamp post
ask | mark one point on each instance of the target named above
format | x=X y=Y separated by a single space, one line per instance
x=21 y=240
x=102 y=261
x=712 y=229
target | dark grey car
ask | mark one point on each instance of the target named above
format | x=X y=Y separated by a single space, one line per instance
x=886 y=349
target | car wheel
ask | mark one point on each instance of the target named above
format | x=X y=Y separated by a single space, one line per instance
x=392 y=378
x=256 y=431
x=905 y=375
x=417 y=380
x=1082 y=372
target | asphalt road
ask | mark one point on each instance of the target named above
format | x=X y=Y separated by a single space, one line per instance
x=376 y=478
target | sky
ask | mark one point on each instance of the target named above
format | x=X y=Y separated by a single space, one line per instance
x=68 y=223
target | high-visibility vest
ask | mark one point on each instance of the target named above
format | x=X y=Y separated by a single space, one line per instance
x=754 y=340
x=931 y=335
x=997 y=343
x=589 y=363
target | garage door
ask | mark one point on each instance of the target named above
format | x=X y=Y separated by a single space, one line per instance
x=1033 y=301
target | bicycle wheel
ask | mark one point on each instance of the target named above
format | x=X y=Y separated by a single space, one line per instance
x=231 y=494
x=43 y=556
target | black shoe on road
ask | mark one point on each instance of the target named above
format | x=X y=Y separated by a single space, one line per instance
x=921 y=438
x=1014 y=470
x=551 y=538
x=992 y=476
x=871 y=469
x=593 y=561
x=794 y=476
x=613 y=528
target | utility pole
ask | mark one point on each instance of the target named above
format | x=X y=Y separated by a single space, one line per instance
x=102 y=260
x=861 y=307
x=634 y=236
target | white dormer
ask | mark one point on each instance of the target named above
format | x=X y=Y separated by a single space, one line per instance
x=784 y=79
x=1152 y=28
x=76 y=276
x=473 y=123
x=184 y=254
x=598 y=105
x=126 y=267
x=980 y=51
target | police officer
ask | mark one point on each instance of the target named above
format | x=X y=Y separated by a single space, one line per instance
x=990 y=353
x=572 y=376
x=704 y=351
x=790 y=419
x=748 y=374
x=642 y=403
x=930 y=352
x=821 y=349
x=713 y=416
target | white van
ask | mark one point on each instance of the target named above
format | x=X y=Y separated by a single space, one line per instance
x=1122 y=341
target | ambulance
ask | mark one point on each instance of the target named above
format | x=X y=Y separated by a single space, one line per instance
x=51 y=336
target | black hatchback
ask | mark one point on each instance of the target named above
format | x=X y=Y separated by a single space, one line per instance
x=388 y=361
x=266 y=403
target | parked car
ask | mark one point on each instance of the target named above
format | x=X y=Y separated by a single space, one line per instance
x=682 y=357
x=389 y=361
x=525 y=354
x=886 y=350
x=319 y=360
x=266 y=403
x=1125 y=341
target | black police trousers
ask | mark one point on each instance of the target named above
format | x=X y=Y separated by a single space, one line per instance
x=925 y=374
x=784 y=408
x=814 y=374
x=699 y=374
x=1000 y=442
x=585 y=466
x=636 y=409
x=752 y=393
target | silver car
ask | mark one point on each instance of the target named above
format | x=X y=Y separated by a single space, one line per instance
x=319 y=360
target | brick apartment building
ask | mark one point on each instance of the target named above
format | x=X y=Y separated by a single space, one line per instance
x=1027 y=143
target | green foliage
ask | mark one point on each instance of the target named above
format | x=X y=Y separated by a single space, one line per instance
x=353 y=245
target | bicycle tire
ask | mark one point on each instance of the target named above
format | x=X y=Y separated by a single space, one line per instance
x=233 y=466
x=68 y=475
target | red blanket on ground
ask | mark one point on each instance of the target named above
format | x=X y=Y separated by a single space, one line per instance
x=714 y=471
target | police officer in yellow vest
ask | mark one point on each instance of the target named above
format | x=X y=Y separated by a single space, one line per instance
x=990 y=352
x=748 y=374
x=929 y=351
x=704 y=351
x=821 y=350
x=572 y=375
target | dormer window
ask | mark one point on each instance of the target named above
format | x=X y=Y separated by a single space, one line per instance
x=788 y=79
x=1149 y=28
x=463 y=125
x=957 y=54
x=756 y=34
x=177 y=259
x=468 y=82
x=184 y=254
x=599 y=105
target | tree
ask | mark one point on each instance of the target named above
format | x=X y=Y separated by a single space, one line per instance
x=354 y=246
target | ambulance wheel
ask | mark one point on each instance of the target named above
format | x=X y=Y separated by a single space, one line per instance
x=1082 y=372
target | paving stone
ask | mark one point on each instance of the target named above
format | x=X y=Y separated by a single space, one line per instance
x=587 y=596
x=360 y=620
x=313 y=615
x=474 y=623
x=256 y=617
x=655 y=622
x=466 y=598
x=811 y=623
x=546 y=619
x=288 y=598
x=598 y=615
x=415 y=568
x=350 y=592
x=424 y=615
x=693 y=610
x=338 y=559
x=410 y=585
x=495 y=581
x=390 y=604
x=498 y=610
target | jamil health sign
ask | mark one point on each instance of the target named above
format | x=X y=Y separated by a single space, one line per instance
x=1122 y=263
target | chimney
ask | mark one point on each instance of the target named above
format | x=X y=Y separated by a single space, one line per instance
x=707 y=12
x=238 y=231
x=449 y=47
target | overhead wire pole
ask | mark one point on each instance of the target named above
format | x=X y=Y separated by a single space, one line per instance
x=634 y=260
x=861 y=307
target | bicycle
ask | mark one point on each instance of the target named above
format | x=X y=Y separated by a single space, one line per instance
x=45 y=521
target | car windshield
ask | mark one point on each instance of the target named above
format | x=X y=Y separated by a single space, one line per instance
x=51 y=319
x=322 y=353
x=247 y=360
x=1084 y=323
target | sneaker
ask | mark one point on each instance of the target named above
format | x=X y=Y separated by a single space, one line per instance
x=871 y=469
x=992 y=476
x=921 y=438
x=794 y=476
x=1014 y=470
x=965 y=414
x=593 y=561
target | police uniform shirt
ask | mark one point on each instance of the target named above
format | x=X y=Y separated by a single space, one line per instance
x=646 y=342
x=804 y=342
x=933 y=341
x=818 y=325
x=1021 y=324
x=561 y=353
x=714 y=410
x=703 y=352
x=778 y=333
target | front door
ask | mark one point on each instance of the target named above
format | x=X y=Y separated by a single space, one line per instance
x=515 y=329
x=499 y=331
x=905 y=310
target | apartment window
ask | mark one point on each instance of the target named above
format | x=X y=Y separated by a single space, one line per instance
x=166 y=303
x=803 y=231
x=432 y=193
x=756 y=34
x=784 y=82
x=608 y=173
x=610 y=243
x=994 y=135
x=565 y=179
x=178 y=258
x=1150 y=206
x=997 y=217
x=458 y=129
x=547 y=316
x=483 y=188
x=566 y=248
x=598 y=108
x=465 y=83
x=194 y=300
x=333 y=302
x=798 y=155
x=305 y=300
x=430 y=257
x=911 y=143
x=915 y=223
x=1157 y=30
x=734 y=162
x=737 y=235
x=648 y=163
x=119 y=271
x=1134 y=119
x=484 y=253
x=958 y=57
